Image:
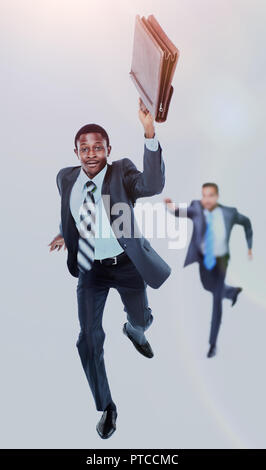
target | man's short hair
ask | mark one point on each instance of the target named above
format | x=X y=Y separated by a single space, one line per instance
x=214 y=185
x=91 y=128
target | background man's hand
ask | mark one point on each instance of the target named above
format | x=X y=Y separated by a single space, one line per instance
x=250 y=254
x=146 y=119
x=57 y=242
x=169 y=204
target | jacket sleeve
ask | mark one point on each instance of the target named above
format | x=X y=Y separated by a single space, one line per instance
x=149 y=182
x=246 y=223
x=58 y=182
x=190 y=211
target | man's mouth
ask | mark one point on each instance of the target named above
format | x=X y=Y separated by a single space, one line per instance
x=91 y=164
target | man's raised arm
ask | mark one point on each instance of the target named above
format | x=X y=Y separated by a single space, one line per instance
x=152 y=180
x=171 y=207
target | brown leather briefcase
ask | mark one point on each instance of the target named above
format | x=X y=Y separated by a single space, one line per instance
x=153 y=65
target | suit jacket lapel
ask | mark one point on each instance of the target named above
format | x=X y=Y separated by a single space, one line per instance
x=203 y=225
x=227 y=218
x=107 y=190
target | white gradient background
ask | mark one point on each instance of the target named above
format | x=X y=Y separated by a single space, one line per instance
x=65 y=64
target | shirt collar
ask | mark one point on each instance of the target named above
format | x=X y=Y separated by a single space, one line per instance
x=97 y=179
x=206 y=211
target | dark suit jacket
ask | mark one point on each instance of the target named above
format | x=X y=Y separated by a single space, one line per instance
x=196 y=214
x=123 y=182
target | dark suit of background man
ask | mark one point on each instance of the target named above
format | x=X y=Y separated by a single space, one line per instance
x=127 y=264
x=212 y=225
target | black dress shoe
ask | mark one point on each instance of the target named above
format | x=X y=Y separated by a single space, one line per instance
x=238 y=290
x=107 y=424
x=145 y=349
x=212 y=350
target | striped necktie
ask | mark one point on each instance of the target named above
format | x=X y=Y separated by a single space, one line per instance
x=209 y=260
x=86 y=243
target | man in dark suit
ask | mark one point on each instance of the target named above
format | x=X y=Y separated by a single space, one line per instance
x=106 y=251
x=209 y=246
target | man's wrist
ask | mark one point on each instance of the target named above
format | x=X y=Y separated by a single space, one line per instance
x=149 y=132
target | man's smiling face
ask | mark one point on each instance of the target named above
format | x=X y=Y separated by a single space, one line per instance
x=92 y=152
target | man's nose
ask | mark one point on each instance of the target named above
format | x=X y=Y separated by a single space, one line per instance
x=91 y=151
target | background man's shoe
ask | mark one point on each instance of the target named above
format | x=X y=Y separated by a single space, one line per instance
x=107 y=424
x=145 y=349
x=212 y=350
x=238 y=290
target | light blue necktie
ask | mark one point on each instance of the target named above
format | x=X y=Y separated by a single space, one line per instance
x=209 y=260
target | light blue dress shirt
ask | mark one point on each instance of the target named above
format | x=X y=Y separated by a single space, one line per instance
x=220 y=247
x=106 y=244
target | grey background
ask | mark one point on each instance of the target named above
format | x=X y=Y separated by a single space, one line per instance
x=65 y=64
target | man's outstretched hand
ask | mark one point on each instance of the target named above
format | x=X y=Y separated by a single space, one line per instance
x=146 y=119
x=170 y=204
x=57 y=243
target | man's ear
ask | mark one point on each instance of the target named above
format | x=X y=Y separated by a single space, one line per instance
x=76 y=152
x=109 y=148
